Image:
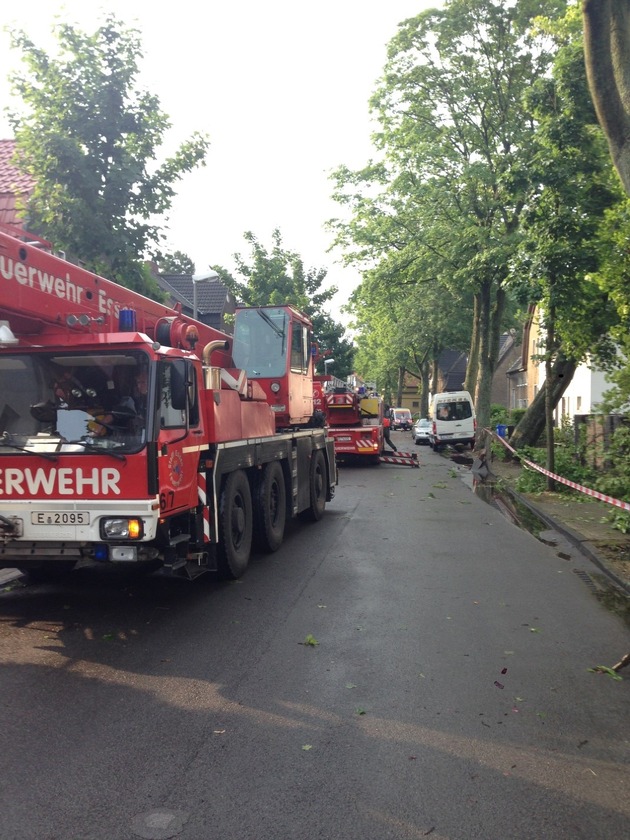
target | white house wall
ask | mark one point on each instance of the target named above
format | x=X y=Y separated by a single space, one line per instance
x=583 y=394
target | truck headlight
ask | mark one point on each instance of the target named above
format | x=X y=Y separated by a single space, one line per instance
x=122 y=529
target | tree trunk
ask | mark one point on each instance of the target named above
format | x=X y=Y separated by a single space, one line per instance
x=533 y=421
x=607 y=58
x=490 y=320
x=549 y=407
x=470 y=380
x=435 y=374
x=424 y=389
x=400 y=384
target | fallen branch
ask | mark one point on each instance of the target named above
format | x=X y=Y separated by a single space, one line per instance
x=625 y=660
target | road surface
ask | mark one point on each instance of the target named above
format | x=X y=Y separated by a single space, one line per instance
x=413 y=665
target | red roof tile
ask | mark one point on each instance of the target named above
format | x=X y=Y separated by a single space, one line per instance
x=11 y=179
x=12 y=183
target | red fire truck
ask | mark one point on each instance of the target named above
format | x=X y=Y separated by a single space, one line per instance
x=354 y=417
x=132 y=434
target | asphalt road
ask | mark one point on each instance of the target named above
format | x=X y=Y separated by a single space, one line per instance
x=447 y=695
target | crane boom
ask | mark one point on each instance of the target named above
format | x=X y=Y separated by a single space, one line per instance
x=41 y=293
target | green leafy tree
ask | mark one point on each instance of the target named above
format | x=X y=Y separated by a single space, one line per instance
x=278 y=277
x=173 y=263
x=403 y=325
x=607 y=56
x=455 y=136
x=564 y=238
x=90 y=139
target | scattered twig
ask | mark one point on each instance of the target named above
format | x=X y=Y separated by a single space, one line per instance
x=625 y=660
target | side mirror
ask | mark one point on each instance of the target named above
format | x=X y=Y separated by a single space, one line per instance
x=179 y=384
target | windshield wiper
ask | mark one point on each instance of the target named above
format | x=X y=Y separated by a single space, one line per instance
x=273 y=326
x=5 y=440
x=101 y=450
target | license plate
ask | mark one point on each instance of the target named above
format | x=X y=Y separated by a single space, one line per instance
x=70 y=517
x=343 y=439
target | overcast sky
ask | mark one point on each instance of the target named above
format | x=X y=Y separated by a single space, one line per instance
x=281 y=87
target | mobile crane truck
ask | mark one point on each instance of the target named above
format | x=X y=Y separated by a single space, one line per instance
x=132 y=434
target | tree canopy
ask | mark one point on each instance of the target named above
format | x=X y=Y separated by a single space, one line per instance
x=491 y=191
x=279 y=277
x=90 y=138
x=447 y=197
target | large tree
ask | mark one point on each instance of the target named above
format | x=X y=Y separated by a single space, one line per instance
x=607 y=59
x=403 y=326
x=278 y=277
x=90 y=138
x=563 y=229
x=455 y=138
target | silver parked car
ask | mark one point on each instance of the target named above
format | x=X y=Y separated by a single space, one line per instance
x=420 y=431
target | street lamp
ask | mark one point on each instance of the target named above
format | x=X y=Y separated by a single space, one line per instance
x=198 y=278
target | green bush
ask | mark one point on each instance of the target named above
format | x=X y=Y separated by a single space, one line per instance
x=498 y=414
x=531 y=481
x=567 y=465
x=515 y=416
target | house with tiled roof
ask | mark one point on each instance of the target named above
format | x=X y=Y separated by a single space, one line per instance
x=451 y=368
x=214 y=300
x=509 y=355
x=527 y=375
x=15 y=188
x=451 y=371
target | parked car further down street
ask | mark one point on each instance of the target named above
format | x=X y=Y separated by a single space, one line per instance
x=420 y=431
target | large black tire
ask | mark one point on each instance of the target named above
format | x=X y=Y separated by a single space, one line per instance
x=270 y=510
x=317 y=482
x=235 y=526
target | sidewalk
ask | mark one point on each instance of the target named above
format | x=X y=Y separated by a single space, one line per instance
x=580 y=519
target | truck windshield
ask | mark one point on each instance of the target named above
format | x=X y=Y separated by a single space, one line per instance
x=72 y=402
x=260 y=342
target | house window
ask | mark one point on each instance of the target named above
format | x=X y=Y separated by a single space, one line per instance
x=578 y=407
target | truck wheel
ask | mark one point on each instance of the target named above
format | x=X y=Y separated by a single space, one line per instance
x=235 y=526
x=317 y=479
x=270 y=509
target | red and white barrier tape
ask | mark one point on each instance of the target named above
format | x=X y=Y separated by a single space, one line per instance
x=587 y=490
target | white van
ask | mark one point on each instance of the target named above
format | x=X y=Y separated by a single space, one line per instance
x=452 y=419
x=401 y=418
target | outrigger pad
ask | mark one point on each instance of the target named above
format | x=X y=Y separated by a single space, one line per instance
x=404 y=459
